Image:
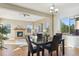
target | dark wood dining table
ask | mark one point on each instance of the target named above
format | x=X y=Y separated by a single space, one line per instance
x=42 y=43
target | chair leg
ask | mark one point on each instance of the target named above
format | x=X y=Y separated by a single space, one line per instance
x=38 y=53
x=28 y=53
x=50 y=53
x=63 y=47
x=32 y=54
x=57 y=52
x=43 y=52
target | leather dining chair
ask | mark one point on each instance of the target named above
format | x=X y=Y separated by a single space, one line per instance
x=59 y=35
x=39 y=37
x=31 y=49
x=60 y=42
x=52 y=46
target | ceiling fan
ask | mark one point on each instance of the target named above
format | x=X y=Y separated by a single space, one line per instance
x=25 y=15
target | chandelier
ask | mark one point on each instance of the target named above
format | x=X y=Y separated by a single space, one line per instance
x=53 y=9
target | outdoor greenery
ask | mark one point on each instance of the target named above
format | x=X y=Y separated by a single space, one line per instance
x=64 y=28
x=72 y=29
x=67 y=28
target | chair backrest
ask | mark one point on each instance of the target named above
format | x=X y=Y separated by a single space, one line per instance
x=30 y=47
x=39 y=37
x=55 y=42
x=59 y=35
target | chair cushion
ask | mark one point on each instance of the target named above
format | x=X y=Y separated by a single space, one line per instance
x=48 y=46
x=35 y=49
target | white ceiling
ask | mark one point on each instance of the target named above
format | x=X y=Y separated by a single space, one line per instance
x=16 y=15
x=44 y=7
x=65 y=9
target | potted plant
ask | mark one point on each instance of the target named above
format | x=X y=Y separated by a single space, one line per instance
x=3 y=34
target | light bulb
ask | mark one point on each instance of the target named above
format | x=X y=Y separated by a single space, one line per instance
x=51 y=8
x=51 y=11
x=56 y=10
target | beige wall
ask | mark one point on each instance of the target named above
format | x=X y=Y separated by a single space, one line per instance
x=42 y=21
x=57 y=24
x=14 y=24
x=77 y=25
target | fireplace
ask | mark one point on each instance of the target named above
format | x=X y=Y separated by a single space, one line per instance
x=19 y=33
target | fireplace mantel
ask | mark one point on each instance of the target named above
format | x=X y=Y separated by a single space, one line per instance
x=19 y=29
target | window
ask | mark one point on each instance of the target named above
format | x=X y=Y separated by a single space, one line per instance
x=39 y=28
x=8 y=26
x=67 y=25
x=72 y=26
x=29 y=28
x=46 y=26
x=36 y=28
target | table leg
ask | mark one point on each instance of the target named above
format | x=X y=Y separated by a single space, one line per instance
x=37 y=50
x=43 y=52
x=57 y=51
x=63 y=47
x=38 y=53
x=28 y=53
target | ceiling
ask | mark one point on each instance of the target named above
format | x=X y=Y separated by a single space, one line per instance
x=14 y=15
x=44 y=7
x=65 y=9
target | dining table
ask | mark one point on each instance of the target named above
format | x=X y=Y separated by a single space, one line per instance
x=42 y=43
